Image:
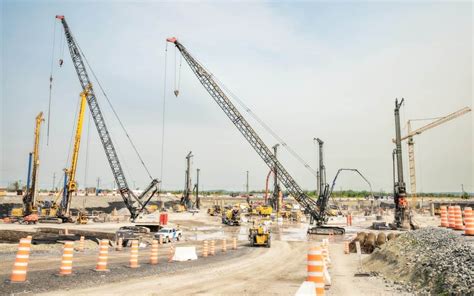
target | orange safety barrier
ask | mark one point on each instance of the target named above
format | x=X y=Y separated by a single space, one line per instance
x=119 y=245
x=103 y=256
x=458 y=218
x=315 y=268
x=133 y=262
x=20 y=267
x=234 y=243
x=66 y=260
x=451 y=222
x=204 y=249
x=224 y=245
x=161 y=240
x=444 y=216
x=171 y=253
x=212 y=250
x=154 y=252
x=349 y=220
x=469 y=221
x=346 y=247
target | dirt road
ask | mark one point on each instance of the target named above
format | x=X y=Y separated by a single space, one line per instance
x=276 y=271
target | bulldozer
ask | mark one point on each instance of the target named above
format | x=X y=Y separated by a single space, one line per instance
x=231 y=217
x=259 y=236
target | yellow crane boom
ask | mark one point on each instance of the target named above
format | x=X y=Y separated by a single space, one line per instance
x=70 y=173
x=411 y=144
x=29 y=200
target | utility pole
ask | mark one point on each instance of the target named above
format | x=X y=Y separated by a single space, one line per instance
x=276 y=184
x=198 y=200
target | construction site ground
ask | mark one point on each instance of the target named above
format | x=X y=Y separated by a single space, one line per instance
x=279 y=270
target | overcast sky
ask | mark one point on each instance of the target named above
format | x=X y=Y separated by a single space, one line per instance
x=307 y=69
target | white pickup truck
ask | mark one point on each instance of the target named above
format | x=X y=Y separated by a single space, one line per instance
x=169 y=234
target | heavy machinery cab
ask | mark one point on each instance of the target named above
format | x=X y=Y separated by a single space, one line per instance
x=260 y=236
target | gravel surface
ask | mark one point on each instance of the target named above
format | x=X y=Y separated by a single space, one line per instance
x=434 y=261
x=46 y=281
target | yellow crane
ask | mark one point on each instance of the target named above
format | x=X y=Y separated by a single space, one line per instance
x=70 y=174
x=29 y=200
x=411 y=144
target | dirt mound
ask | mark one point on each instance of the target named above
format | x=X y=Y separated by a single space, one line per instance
x=433 y=260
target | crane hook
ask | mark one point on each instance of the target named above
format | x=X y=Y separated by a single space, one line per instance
x=176 y=93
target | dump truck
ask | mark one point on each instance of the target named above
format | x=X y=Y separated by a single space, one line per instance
x=260 y=236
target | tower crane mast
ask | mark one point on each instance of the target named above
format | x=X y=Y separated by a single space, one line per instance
x=135 y=204
x=207 y=80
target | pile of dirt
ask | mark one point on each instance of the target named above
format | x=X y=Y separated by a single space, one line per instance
x=432 y=260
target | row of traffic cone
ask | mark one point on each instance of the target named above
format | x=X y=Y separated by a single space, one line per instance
x=451 y=217
x=20 y=266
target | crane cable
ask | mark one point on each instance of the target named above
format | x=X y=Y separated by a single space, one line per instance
x=115 y=113
x=163 y=119
x=51 y=82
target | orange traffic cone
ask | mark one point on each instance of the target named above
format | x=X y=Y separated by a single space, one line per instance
x=451 y=222
x=66 y=260
x=103 y=256
x=346 y=247
x=224 y=245
x=20 y=266
x=204 y=249
x=316 y=269
x=213 y=248
x=469 y=221
x=444 y=216
x=133 y=263
x=234 y=243
x=119 y=246
x=154 y=252
x=458 y=218
x=171 y=253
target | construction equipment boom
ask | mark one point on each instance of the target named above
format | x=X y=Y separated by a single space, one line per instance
x=29 y=199
x=70 y=174
x=135 y=204
x=411 y=144
x=207 y=80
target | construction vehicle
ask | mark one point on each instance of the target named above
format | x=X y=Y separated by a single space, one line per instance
x=311 y=206
x=402 y=215
x=29 y=212
x=231 y=216
x=264 y=210
x=260 y=236
x=215 y=210
x=60 y=210
x=135 y=204
x=411 y=144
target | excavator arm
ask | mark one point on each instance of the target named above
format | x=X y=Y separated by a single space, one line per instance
x=135 y=204
x=250 y=135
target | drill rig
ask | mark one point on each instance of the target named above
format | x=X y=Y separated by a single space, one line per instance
x=135 y=204
x=317 y=216
x=29 y=199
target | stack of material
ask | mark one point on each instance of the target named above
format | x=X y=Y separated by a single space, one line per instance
x=434 y=260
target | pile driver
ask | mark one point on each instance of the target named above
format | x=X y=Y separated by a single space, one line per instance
x=135 y=204
x=311 y=206
x=29 y=199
